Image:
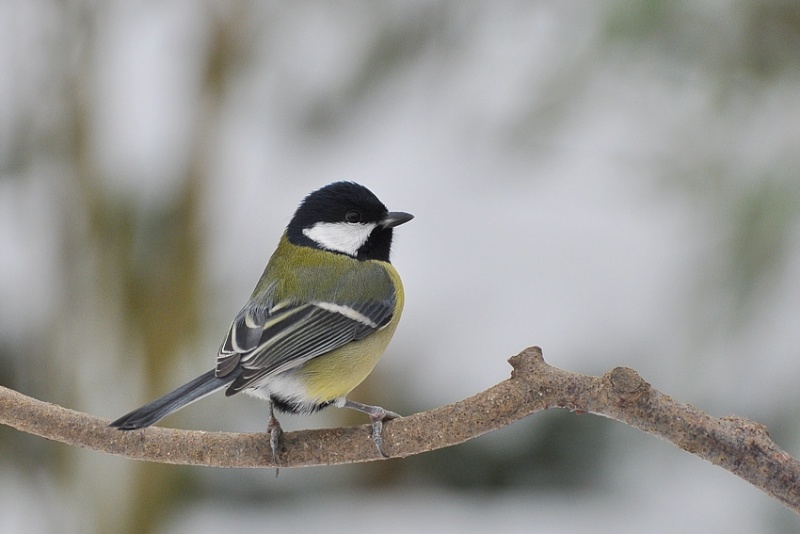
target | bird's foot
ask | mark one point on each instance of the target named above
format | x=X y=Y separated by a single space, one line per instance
x=377 y=416
x=275 y=435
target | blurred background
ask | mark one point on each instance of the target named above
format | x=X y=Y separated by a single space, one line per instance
x=615 y=181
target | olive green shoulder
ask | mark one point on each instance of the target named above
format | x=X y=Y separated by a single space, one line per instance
x=304 y=274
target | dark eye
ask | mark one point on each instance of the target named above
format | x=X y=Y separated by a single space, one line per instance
x=352 y=216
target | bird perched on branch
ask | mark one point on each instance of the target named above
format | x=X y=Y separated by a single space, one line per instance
x=318 y=320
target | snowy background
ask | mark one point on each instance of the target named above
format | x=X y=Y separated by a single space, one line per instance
x=616 y=182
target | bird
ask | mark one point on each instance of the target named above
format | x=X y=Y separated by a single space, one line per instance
x=318 y=320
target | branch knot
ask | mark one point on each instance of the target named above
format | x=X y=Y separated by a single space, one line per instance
x=627 y=383
x=528 y=362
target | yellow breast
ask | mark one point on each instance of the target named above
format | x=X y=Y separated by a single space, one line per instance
x=334 y=375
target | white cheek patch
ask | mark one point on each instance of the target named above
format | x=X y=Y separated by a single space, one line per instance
x=342 y=237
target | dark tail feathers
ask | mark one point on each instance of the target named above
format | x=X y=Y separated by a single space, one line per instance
x=174 y=400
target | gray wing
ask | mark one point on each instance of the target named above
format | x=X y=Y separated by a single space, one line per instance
x=268 y=340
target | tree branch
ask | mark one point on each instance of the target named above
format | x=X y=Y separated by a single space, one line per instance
x=738 y=445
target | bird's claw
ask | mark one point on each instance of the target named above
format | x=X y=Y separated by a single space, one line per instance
x=275 y=435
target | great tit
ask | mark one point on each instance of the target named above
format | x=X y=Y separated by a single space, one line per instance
x=318 y=320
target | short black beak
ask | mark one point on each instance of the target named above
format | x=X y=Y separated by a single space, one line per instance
x=395 y=218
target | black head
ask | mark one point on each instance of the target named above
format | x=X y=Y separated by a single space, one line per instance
x=346 y=218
